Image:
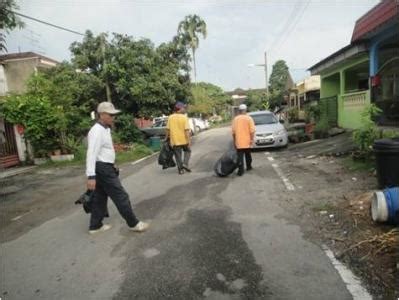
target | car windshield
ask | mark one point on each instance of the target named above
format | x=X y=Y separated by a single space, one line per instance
x=263 y=119
x=161 y=123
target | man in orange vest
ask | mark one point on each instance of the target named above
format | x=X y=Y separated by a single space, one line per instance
x=243 y=129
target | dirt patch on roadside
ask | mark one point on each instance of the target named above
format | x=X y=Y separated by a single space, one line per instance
x=332 y=205
x=370 y=249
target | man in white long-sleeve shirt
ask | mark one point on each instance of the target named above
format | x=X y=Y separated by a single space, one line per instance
x=102 y=176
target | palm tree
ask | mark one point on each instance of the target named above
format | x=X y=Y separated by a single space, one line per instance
x=188 y=32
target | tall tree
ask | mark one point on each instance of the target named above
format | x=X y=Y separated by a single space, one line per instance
x=207 y=99
x=91 y=55
x=188 y=31
x=8 y=20
x=257 y=100
x=278 y=82
x=142 y=79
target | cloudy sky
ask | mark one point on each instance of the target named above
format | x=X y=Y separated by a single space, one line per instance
x=301 y=32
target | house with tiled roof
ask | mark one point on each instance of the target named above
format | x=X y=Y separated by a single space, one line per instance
x=365 y=71
x=15 y=70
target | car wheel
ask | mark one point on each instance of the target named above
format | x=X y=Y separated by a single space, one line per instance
x=197 y=129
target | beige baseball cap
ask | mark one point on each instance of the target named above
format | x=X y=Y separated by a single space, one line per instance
x=107 y=107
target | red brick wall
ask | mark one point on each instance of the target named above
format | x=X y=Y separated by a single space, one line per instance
x=141 y=122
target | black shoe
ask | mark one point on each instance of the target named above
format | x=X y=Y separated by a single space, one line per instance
x=187 y=169
x=249 y=168
x=240 y=173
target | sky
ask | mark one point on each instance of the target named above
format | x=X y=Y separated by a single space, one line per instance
x=301 y=32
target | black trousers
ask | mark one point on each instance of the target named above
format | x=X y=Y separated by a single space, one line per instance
x=109 y=185
x=178 y=155
x=240 y=159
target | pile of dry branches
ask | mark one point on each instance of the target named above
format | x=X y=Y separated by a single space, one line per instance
x=380 y=243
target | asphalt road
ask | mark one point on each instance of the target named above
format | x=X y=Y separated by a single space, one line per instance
x=210 y=238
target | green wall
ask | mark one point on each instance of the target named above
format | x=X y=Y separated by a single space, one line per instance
x=350 y=116
x=338 y=80
x=329 y=86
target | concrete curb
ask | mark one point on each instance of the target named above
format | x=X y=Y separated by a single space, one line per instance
x=144 y=158
x=17 y=171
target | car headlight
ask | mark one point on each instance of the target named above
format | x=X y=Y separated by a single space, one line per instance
x=280 y=132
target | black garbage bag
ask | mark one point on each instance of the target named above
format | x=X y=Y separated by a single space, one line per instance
x=86 y=200
x=227 y=163
x=165 y=158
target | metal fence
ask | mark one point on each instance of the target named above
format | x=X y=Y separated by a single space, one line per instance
x=329 y=110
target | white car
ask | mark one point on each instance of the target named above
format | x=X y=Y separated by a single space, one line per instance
x=197 y=124
x=159 y=126
x=269 y=131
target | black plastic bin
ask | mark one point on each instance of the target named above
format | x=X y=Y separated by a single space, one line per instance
x=387 y=160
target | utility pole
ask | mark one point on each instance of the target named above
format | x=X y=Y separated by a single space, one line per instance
x=264 y=65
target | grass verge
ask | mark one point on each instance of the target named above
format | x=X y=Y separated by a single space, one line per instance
x=137 y=152
x=358 y=165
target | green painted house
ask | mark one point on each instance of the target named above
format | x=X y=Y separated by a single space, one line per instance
x=366 y=71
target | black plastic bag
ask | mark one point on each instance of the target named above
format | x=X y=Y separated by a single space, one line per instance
x=227 y=163
x=165 y=158
x=85 y=200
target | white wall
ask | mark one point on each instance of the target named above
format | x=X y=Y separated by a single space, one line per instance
x=21 y=146
x=3 y=82
x=312 y=83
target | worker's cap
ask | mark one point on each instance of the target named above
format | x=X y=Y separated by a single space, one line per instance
x=179 y=105
x=107 y=107
x=242 y=107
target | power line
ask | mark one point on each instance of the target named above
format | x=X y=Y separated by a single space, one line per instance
x=293 y=27
x=287 y=25
x=46 y=23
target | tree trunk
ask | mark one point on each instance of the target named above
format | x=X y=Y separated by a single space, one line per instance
x=194 y=66
x=108 y=91
x=107 y=88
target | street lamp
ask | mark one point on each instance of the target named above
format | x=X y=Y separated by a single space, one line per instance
x=265 y=66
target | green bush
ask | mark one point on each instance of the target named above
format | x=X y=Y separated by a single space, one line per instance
x=312 y=113
x=43 y=122
x=389 y=134
x=365 y=136
x=293 y=114
x=72 y=144
x=138 y=151
x=321 y=128
x=80 y=153
x=126 y=131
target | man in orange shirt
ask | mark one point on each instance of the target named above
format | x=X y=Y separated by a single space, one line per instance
x=178 y=131
x=243 y=129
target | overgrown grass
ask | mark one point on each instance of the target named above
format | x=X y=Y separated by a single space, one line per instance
x=358 y=165
x=138 y=151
